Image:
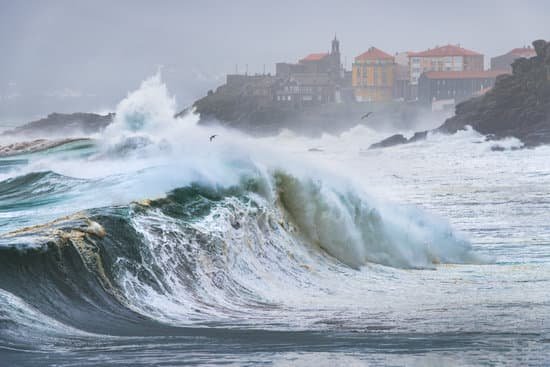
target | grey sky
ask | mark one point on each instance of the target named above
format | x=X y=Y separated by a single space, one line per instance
x=85 y=55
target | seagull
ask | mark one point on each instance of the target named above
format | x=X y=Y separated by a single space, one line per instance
x=366 y=115
x=212 y=137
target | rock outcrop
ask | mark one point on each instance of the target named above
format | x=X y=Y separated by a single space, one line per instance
x=399 y=139
x=396 y=139
x=517 y=106
x=61 y=124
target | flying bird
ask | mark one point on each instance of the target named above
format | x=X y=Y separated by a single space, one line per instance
x=366 y=115
x=212 y=137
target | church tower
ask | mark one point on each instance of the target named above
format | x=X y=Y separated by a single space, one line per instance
x=335 y=62
x=335 y=46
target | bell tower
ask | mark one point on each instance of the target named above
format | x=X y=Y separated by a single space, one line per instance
x=335 y=62
x=335 y=46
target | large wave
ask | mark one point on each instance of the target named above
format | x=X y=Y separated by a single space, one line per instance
x=175 y=228
x=205 y=254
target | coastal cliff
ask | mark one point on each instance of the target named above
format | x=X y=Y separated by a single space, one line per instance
x=517 y=106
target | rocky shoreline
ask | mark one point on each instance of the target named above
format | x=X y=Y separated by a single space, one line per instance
x=517 y=106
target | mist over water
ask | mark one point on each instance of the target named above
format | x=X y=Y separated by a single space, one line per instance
x=156 y=236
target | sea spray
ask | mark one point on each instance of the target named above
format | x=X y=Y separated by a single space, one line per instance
x=147 y=152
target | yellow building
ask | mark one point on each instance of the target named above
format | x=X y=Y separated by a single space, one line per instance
x=373 y=73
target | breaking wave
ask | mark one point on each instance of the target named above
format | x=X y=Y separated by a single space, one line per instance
x=200 y=232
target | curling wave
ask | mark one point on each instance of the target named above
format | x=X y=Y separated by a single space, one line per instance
x=207 y=253
x=231 y=234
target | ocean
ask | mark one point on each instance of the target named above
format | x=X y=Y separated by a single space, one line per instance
x=150 y=245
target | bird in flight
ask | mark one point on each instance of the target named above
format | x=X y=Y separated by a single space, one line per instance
x=366 y=115
x=212 y=137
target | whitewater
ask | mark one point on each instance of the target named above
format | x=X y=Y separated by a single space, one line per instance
x=150 y=245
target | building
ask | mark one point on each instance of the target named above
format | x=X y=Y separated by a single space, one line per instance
x=285 y=69
x=444 y=89
x=401 y=83
x=315 y=63
x=445 y=58
x=402 y=58
x=504 y=62
x=306 y=89
x=317 y=78
x=402 y=89
x=373 y=75
x=250 y=85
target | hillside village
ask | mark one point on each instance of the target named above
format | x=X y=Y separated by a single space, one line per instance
x=437 y=78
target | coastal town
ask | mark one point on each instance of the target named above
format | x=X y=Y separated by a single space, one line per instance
x=437 y=78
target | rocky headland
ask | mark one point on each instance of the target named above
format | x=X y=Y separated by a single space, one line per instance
x=62 y=125
x=236 y=109
x=517 y=106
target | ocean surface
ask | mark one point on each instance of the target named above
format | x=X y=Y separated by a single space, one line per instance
x=151 y=245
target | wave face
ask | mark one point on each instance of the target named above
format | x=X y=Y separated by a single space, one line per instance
x=153 y=237
x=207 y=253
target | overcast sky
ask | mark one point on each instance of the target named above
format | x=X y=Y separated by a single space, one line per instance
x=66 y=56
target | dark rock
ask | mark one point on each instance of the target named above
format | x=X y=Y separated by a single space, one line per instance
x=399 y=139
x=396 y=139
x=421 y=135
x=497 y=148
x=61 y=124
x=517 y=106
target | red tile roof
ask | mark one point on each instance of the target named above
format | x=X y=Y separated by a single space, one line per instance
x=315 y=57
x=449 y=50
x=464 y=74
x=523 y=52
x=374 y=53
